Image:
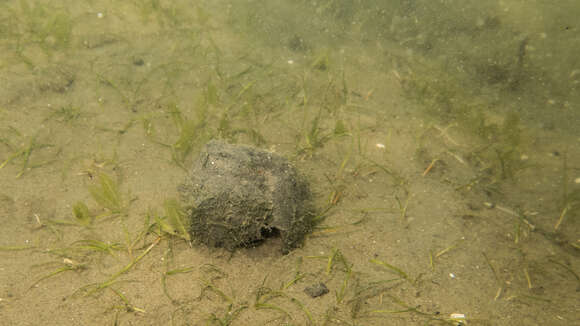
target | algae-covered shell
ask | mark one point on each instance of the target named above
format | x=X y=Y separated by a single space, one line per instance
x=239 y=195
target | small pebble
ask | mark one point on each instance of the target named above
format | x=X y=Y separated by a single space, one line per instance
x=316 y=290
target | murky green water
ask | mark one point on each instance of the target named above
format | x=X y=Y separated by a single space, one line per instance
x=439 y=138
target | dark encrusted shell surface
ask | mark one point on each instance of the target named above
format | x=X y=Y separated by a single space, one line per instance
x=238 y=195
